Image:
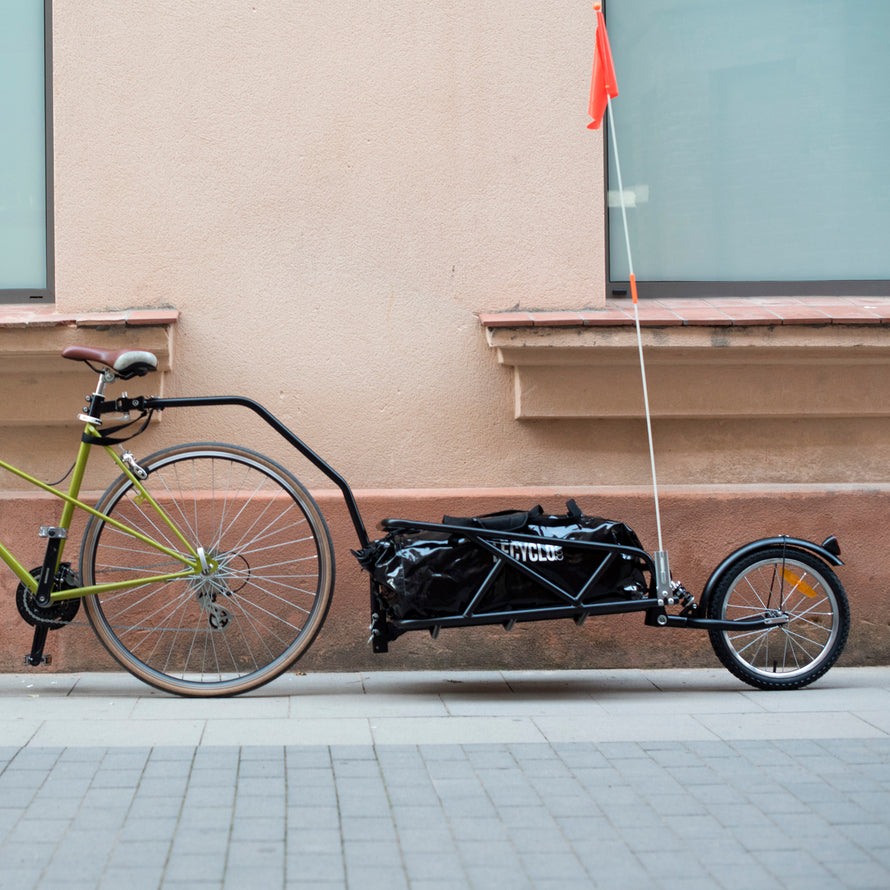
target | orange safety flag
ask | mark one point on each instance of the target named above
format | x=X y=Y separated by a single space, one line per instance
x=603 y=84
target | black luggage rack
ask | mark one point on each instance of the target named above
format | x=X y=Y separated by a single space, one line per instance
x=564 y=600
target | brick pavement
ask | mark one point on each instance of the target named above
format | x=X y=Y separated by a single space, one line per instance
x=635 y=779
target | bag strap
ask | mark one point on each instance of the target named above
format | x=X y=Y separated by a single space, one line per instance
x=504 y=521
x=574 y=509
x=109 y=439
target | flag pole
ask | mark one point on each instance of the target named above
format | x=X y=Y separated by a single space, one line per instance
x=604 y=88
x=633 y=293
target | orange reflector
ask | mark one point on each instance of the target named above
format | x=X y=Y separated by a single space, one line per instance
x=798 y=583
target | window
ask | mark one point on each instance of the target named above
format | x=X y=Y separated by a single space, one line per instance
x=753 y=143
x=25 y=157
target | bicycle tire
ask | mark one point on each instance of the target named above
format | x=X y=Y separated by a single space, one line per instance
x=792 y=583
x=253 y=615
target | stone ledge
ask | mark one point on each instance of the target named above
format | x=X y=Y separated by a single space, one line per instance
x=699 y=366
x=48 y=317
x=723 y=312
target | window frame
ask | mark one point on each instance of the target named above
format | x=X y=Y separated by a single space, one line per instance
x=45 y=294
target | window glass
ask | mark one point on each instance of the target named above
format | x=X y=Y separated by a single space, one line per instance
x=23 y=179
x=753 y=139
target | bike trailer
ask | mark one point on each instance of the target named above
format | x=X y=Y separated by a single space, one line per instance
x=510 y=564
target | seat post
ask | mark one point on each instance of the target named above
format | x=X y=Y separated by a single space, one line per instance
x=92 y=412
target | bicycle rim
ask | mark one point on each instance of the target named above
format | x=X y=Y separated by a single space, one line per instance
x=811 y=640
x=256 y=609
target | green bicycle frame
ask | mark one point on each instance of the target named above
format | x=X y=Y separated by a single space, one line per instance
x=189 y=558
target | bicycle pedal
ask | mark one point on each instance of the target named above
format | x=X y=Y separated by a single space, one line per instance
x=43 y=660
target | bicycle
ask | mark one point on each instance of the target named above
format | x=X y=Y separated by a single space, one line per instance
x=207 y=569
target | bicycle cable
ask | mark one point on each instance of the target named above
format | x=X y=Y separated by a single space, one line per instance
x=60 y=481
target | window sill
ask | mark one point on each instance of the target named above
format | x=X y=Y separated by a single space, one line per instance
x=723 y=312
x=733 y=358
x=23 y=316
x=38 y=381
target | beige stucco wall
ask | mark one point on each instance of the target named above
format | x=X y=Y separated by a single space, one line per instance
x=328 y=192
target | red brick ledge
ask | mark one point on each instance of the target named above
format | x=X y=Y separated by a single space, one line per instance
x=47 y=317
x=725 y=312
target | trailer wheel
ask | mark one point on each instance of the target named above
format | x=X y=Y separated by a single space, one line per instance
x=809 y=605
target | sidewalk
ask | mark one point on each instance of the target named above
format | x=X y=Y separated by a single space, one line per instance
x=613 y=779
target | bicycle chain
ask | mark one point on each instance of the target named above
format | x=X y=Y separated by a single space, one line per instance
x=58 y=614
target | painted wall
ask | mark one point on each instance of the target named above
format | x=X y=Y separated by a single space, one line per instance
x=329 y=192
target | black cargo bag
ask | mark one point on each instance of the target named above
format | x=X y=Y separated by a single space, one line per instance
x=433 y=573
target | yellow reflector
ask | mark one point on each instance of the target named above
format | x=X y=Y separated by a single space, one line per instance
x=798 y=583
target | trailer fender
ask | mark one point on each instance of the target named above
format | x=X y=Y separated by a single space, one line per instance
x=829 y=550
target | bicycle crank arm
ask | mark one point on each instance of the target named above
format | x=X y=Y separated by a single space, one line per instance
x=36 y=657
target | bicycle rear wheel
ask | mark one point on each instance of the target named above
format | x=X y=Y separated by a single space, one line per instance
x=265 y=593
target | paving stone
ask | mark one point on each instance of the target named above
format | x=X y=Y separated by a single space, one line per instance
x=471 y=829
x=422 y=794
x=490 y=757
x=208 y=819
x=369 y=807
x=499 y=876
x=198 y=840
x=195 y=867
x=430 y=867
x=437 y=884
x=149 y=827
x=141 y=878
x=139 y=854
x=238 y=877
x=309 y=776
x=383 y=877
x=313 y=817
x=362 y=828
x=267 y=753
x=247 y=806
x=428 y=839
x=157 y=769
x=562 y=866
x=257 y=828
x=320 y=867
x=145 y=806
x=305 y=841
x=307 y=756
x=162 y=786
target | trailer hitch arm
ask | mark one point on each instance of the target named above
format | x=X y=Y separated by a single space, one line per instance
x=761 y=622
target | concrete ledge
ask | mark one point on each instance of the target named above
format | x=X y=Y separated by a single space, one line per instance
x=702 y=370
x=25 y=316
x=719 y=312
